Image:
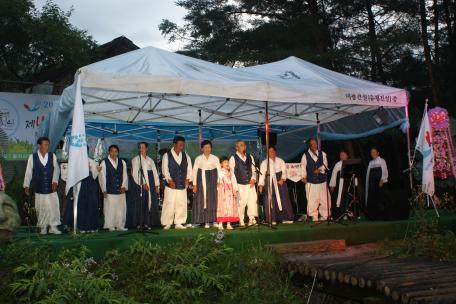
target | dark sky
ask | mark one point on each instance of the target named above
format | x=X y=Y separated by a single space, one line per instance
x=137 y=20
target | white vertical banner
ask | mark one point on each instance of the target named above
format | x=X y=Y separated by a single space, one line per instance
x=78 y=160
x=424 y=145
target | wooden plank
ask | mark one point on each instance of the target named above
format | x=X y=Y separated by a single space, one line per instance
x=440 y=299
x=425 y=279
x=444 y=295
x=404 y=292
x=311 y=246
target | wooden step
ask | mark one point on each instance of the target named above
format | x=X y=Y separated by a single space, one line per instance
x=311 y=246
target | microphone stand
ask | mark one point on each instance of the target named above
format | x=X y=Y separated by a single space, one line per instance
x=329 y=218
x=267 y=179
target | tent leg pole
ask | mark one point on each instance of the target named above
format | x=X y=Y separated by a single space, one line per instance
x=268 y=171
x=409 y=156
x=200 y=128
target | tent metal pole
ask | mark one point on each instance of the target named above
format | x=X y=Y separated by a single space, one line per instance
x=318 y=131
x=200 y=127
x=410 y=160
x=268 y=169
x=157 y=148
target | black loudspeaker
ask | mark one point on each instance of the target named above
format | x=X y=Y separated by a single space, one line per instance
x=272 y=138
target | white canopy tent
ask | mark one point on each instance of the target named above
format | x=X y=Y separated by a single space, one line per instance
x=150 y=87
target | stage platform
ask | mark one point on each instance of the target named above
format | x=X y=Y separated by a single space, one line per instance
x=354 y=233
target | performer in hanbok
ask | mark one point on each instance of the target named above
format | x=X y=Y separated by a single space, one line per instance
x=338 y=187
x=2 y=180
x=242 y=165
x=88 y=203
x=177 y=171
x=227 y=206
x=43 y=173
x=206 y=172
x=145 y=173
x=114 y=183
x=376 y=182
x=314 y=166
x=281 y=209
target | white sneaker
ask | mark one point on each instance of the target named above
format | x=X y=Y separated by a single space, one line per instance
x=242 y=224
x=287 y=222
x=229 y=227
x=189 y=226
x=167 y=227
x=207 y=226
x=215 y=225
x=274 y=223
x=220 y=226
x=54 y=230
x=43 y=231
x=252 y=221
x=180 y=226
x=122 y=229
x=112 y=229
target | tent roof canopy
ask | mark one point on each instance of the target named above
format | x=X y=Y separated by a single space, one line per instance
x=151 y=86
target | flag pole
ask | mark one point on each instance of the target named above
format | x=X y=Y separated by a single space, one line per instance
x=409 y=148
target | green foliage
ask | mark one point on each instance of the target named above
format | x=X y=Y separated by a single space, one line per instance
x=33 y=41
x=424 y=239
x=374 y=39
x=191 y=271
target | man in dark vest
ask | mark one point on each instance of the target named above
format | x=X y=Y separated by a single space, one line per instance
x=177 y=171
x=43 y=173
x=314 y=165
x=114 y=183
x=242 y=165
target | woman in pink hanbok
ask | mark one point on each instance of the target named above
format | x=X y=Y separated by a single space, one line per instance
x=227 y=207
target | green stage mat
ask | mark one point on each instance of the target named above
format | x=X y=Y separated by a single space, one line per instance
x=353 y=232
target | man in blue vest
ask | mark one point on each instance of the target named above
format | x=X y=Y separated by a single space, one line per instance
x=114 y=183
x=242 y=165
x=314 y=164
x=177 y=171
x=43 y=173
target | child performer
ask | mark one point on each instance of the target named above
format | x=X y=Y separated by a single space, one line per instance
x=206 y=172
x=43 y=173
x=227 y=210
x=281 y=209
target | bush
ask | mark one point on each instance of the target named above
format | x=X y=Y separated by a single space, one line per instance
x=425 y=239
x=191 y=271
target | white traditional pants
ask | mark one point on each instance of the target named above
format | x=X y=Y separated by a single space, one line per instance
x=174 y=210
x=318 y=200
x=115 y=211
x=247 y=198
x=47 y=209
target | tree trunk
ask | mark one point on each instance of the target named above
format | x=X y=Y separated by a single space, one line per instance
x=320 y=37
x=427 y=51
x=446 y=9
x=376 y=58
x=436 y=32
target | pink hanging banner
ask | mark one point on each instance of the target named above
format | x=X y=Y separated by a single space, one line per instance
x=444 y=154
